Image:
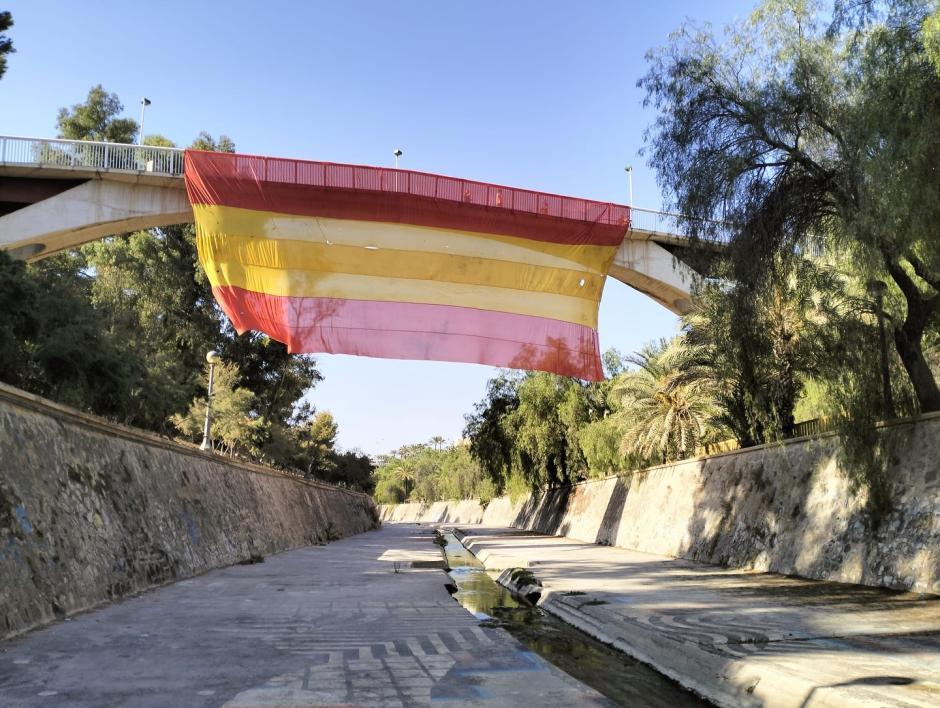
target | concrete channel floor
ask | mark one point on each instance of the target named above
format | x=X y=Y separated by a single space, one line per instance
x=329 y=625
x=740 y=638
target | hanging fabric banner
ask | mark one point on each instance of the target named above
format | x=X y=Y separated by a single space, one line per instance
x=403 y=265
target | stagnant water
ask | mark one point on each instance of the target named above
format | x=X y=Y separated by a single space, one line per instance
x=616 y=675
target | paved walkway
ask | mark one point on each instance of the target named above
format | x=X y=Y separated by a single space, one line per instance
x=330 y=625
x=740 y=638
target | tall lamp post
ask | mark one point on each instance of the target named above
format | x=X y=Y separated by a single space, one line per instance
x=144 y=102
x=876 y=289
x=629 y=171
x=397 y=153
x=213 y=358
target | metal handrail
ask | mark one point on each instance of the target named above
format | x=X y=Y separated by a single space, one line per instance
x=90 y=155
x=669 y=223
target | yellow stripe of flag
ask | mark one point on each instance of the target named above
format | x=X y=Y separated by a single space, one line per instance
x=236 y=221
x=303 y=283
x=356 y=260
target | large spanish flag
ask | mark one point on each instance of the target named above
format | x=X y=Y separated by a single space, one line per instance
x=404 y=265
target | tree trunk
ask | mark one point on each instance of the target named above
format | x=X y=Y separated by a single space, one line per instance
x=908 y=337
x=912 y=356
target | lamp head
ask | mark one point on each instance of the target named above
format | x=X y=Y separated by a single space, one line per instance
x=213 y=357
x=397 y=152
x=145 y=101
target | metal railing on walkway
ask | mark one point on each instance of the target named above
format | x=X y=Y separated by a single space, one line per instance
x=815 y=426
x=90 y=155
x=671 y=224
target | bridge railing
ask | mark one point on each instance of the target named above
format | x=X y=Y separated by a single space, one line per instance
x=670 y=224
x=89 y=155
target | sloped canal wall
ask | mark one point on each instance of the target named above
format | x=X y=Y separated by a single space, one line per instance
x=92 y=512
x=785 y=508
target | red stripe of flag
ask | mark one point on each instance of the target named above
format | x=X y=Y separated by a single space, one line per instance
x=306 y=188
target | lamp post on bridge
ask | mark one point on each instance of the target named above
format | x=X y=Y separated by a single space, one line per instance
x=629 y=171
x=213 y=358
x=397 y=153
x=144 y=102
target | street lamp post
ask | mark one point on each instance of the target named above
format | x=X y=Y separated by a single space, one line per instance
x=213 y=358
x=876 y=289
x=397 y=153
x=144 y=102
x=629 y=171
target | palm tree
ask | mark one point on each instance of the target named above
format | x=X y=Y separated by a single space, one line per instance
x=661 y=420
x=437 y=442
x=403 y=472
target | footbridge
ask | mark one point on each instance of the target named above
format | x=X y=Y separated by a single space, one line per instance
x=58 y=194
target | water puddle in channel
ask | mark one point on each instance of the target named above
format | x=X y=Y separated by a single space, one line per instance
x=624 y=680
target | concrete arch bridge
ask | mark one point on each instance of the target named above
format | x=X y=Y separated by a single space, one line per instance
x=58 y=194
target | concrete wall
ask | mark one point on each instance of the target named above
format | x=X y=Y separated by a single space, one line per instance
x=785 y=508
x=91 y=512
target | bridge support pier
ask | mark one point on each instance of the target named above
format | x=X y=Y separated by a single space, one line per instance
x=648 y=267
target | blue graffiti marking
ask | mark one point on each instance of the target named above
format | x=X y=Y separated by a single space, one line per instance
x=21 y=516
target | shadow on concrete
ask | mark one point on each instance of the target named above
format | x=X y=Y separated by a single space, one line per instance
x=613 y=514
x=865 y=681
x=543 y=513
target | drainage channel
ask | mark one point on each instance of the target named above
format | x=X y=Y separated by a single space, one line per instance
x=621 y=678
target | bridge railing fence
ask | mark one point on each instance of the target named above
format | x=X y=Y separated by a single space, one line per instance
x=84 y=154
x=670 y=224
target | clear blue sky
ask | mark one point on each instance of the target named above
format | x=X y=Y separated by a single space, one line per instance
x=534 y=94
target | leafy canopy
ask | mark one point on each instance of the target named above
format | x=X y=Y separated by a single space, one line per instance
x=97 y=119
x=6 y=44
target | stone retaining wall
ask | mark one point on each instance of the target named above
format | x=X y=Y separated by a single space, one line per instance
x=91 y=512
x=785 y=508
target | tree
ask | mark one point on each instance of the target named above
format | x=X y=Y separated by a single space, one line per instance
x=932 y=37
x=402 y=471
x=278 y=377
x=755 y=346
x=156 y=300
x=236 y=429
x=204 y=141
x=425 y=473
x=661 y=420
x=56 y=344
x=6 y=44
x=18 y=322
x=491 y=442
x=97 y=119
x=317 y=443
x=800 y=138
x=353 y=469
